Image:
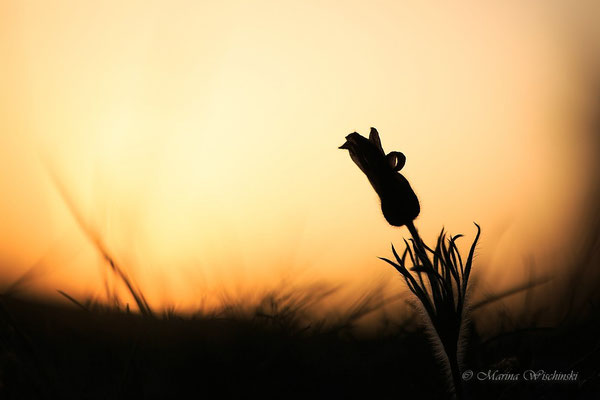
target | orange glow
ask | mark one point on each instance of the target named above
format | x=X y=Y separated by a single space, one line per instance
x=199 y=139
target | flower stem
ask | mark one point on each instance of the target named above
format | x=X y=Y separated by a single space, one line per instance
x=418 y=242
x=449 y=339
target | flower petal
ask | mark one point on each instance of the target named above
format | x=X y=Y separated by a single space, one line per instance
x=396 y=160
x=374 y=138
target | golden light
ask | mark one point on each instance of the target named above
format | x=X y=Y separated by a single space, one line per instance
x=199 y=139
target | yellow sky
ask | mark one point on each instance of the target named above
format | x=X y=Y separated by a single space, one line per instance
x=199 y=139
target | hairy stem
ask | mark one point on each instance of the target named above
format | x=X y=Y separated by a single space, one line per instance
x=449 y=339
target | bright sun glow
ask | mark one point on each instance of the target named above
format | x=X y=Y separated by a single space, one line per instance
x=199 y=140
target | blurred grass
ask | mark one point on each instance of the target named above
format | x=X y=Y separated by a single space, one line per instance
x=282 y=346
x=285 y=345
x=275 y=347
x=271 y=348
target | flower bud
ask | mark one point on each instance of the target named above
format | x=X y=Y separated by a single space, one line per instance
x=399 y=203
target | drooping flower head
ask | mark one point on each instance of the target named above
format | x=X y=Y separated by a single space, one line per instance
x=399 y=202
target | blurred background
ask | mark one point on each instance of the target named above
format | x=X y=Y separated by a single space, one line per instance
x=199 y=140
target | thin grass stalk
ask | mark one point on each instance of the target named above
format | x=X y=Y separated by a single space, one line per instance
x=137 y=295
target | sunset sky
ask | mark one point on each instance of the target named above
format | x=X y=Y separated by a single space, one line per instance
x=199 y=139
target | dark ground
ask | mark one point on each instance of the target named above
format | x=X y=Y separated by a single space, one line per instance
x=59 y=352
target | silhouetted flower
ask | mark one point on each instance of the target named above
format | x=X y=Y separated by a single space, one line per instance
x=399 y=202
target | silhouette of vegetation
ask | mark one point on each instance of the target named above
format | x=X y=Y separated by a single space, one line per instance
x=399 y=202
x=95 y=238
x=440 y=284
x=438 y=277
x=284 y=345
x=275 y=347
